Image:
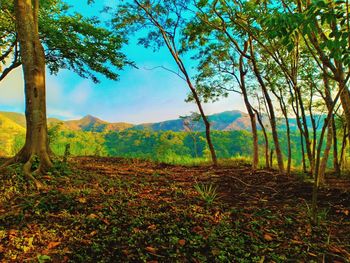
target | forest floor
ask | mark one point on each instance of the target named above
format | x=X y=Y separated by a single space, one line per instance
x=119 y=210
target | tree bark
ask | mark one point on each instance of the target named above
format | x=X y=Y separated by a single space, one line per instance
x=33 y=61
x=267 y=147
x=305 y=130
x=271 y=110
x=345 y=102
x=336 y=166
x=323 y=165
x=343 y=147
x=251 y=114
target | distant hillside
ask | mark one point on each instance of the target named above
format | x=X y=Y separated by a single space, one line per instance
x=224 y=121
x=228 y=120
x=15 y=117
x=9 y=128
x=91 y=123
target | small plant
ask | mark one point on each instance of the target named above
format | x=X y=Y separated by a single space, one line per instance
x=208 y=192
x=321 y=215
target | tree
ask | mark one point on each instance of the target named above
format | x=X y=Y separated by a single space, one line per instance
x=165 y=21
x=33 y=59
x=87 y=50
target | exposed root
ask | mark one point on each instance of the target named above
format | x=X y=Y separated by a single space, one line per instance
x=27 y=167
x=8 y=163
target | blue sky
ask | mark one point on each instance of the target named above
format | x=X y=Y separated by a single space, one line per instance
x=139 y=96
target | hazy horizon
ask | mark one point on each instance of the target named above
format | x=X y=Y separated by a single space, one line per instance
x=102 y=119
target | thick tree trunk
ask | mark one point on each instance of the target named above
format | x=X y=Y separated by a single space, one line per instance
x=33 y=61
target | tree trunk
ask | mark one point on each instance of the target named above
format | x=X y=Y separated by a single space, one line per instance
x=289 y=164
x=285 y=115
x=267 y=147
x=305 y=130
x=336 y=166
x=251 y=114
x=204 y=117
x=33 y=61
x=323 y=165
x=343 y=146
x=303 y=152
x=255 y=141
x=299 y=125
x=271 y=110
x=345 y=102
x=170 y=44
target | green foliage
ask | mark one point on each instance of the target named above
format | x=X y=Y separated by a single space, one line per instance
x=207 y=192
x=187 y=148
x=71 y=41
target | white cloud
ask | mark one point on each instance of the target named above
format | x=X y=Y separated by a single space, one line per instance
x=62 y=114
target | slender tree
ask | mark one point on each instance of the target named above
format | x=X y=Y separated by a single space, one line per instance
x=166 y=20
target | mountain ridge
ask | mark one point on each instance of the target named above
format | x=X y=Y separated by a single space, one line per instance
x=223 y=121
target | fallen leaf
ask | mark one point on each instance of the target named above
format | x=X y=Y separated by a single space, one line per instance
x=152 y=227
x=297 y=242
x=105 y=221
x=82 y=200
x=312 y=254
x=92 y=216
x=52 y=245
x=136 y=230
x=197 y=229
x=267 y=237
x=93 y=233
x=182 y=242
x=151 y=250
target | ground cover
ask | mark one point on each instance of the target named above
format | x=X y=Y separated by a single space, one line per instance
x=121 y=210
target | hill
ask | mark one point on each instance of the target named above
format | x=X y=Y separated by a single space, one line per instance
x=224 y=121
x=10 y=126
x=91 y=123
